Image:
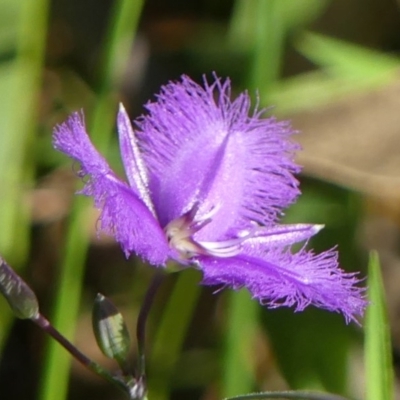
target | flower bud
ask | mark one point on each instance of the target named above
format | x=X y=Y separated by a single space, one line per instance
x=110 y=330
x=18 y=294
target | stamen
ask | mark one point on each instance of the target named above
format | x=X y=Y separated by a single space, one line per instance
x=221 y=253
x=180 y=233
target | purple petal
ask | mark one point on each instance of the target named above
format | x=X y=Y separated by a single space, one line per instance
x=282 y=235
x=71 y=138
x=135 y=168
x=280 y=278
x=198 y=148
x=123 y=214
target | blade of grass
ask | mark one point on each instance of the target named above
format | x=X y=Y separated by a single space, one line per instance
x=238 y=374
x=248 y=29
x=345 y=69
x=347 y=60
x=241 y=30
x=378 y=355
x=268 y=44
x=118 y=47
x=54 y=384
x=261 y=27
x=20 y=81
x=171 y=334
x=258 y=27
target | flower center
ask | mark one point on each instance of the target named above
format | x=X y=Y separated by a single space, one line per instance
x=180 y=233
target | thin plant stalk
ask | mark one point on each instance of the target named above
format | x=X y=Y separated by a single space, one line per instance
x=97 y=369
x=141 y=322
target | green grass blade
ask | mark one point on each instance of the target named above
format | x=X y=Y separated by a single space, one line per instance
x=171 y=334
x=378 y=355
x=347 y=60
x=241 y=30
x=20 y=81
x=118 y=48
x=260 y=28
x=122 y=30
x=268 y=44
x=289 y=395
x=238 y=368
x=345 y=69
x=23 y=35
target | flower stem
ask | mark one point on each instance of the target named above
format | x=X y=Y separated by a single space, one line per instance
x=45 y=325
x=141 y=322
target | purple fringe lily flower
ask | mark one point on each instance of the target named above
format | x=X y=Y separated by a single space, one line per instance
x=206 y=185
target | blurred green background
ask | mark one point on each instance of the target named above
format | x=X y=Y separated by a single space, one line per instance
x=331 y=67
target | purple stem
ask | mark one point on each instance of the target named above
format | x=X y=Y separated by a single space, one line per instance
x=141 y=322
x=44 y=324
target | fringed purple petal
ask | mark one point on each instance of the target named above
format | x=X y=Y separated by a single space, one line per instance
x=201 y=148
x=279 y=278
x=183 y=141
x=123 y=214
x=135 y=168
x=282 y=235
x=71 y=138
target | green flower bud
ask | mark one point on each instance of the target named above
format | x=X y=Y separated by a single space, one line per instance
x=18 y=294
x=110 y=330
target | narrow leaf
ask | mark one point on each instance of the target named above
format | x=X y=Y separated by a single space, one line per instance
x=238 y=367
x=348 y=60
x=171 y=334
x=378 y=356
x=289 y=394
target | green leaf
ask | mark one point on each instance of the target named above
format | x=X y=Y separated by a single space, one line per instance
x=22 y=40
x=345 y=70
x=294 y=14
x=171 y=333
x=378 y=356
x=238 y=367
x=309 y=91
x=261 y=27
x=348 y=60
x=288 y=395
x=20 y=79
